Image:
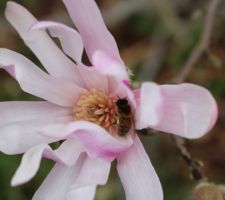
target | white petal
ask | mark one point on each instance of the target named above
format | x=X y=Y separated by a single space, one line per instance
x=93 y=172
x=90 y=24
x=36 y=82
x=70 y=39
x=57 y=184
x=66 y=154
x=137 y=175
x=52 y=58
x=82 y=193
x=97 y=141
x=18 y=137
x=18 y=111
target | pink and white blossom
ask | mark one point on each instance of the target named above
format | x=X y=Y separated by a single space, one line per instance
x=83 y=159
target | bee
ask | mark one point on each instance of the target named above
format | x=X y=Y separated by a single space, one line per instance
x=124 y=116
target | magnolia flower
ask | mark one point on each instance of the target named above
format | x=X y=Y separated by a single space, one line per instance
x=80 y=109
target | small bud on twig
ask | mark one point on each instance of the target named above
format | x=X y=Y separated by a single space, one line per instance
x=207 y=191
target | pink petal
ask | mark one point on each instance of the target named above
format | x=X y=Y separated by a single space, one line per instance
x=36 y=82
x=18 y=111
x=187 y=110
x=93 y=172
x=67 y=154
x=90 y=24
x=21 y=121
x=52 y=58
x=109 y=66
x=70 y=39
x=97 y=141
x=150 y=101
x=137 y=175
x=82 y=193
x=18 y=137
x=93 y=79
x=57 y=184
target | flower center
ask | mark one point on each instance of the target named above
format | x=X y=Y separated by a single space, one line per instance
x=97 y=107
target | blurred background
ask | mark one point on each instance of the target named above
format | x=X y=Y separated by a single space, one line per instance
x=155 y=38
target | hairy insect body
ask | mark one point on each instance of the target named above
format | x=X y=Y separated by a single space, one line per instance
x=124 y=116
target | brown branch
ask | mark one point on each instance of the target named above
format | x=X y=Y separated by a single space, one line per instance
x=203 y=44
x=194 y=165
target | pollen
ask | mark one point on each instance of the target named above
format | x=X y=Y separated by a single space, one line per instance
x=97 y=107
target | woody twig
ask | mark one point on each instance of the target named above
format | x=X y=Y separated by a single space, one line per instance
x=203 y=44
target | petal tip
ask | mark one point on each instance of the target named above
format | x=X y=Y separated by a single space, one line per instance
x=17 y=181
x=11 y=6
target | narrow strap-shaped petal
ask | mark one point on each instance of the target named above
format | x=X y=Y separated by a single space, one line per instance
x=70 y=39
x=18 y=137
x=21 y=121
x=52 y=58
x=186 y=110
x=67 y=154
x=18 y=111
x=90 y=24
x=57 y=184
x=137 y=175
x=93 y=172
x=97 y=141
x=36 y=82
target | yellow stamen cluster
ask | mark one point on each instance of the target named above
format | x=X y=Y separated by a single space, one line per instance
x=97 y=107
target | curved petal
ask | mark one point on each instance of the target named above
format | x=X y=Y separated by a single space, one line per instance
x=67 y=154
x=187 y=110
x=150 y=102
x=93 y=172
x=18 y=111
x=90 y=24
x=70 y=39
x=109 y=66
x=57 y=184
x=52 y=58
x=36 y=82
x=137 y=175
x=97 y=141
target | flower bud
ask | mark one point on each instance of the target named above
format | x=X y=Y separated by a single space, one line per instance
x=207 y=191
